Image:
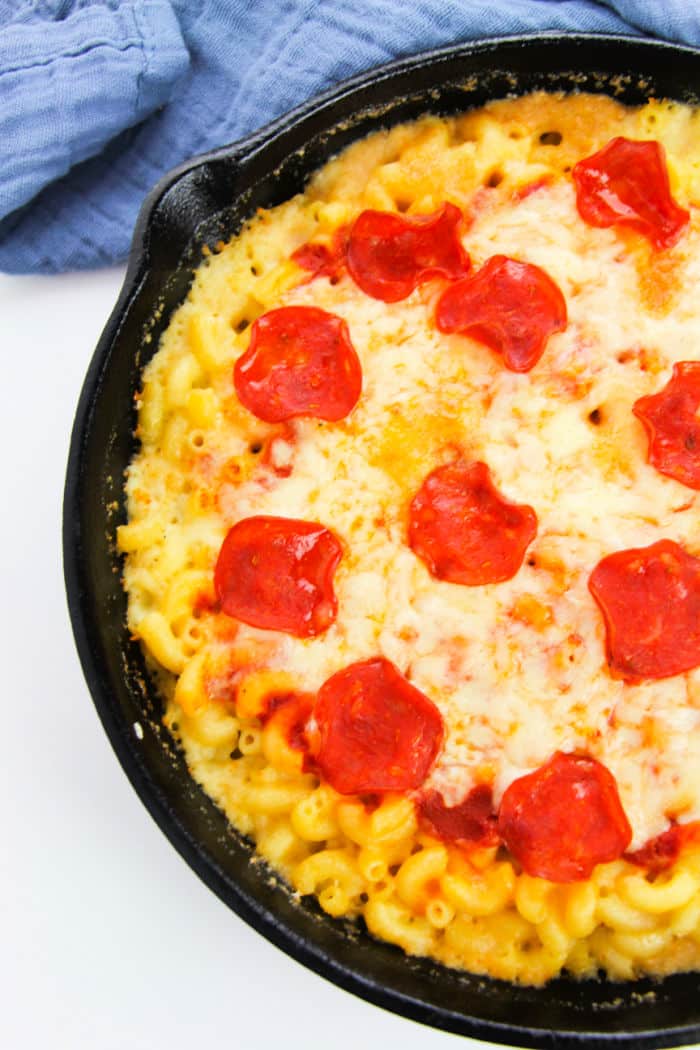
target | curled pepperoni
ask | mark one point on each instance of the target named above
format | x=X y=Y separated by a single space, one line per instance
x=664 y=850
x=322 y=260
x=376 y=731
x=672 y=425
x=473 y=822
x=464 y=530
x=316 y=258
x=299 y=362
x=563 y=819
x=277 y=573
x=512 y=307
x=389 y=255
x=626 y=184
x=650 y=601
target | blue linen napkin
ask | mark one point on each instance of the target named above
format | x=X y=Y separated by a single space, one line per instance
x=98 y=98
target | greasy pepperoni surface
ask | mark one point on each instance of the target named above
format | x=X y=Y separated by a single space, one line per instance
x=650 y=601
x=626 y=184
x=512 y=307
x=389 y=255
x=464 y=530
x=299 y=362
x=563 y=819
x=672 y=425
x=664 y=850
x=376 y=731
x=277 y=573
x=472 y=822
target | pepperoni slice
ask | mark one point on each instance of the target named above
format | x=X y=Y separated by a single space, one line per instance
x=473 y=822
x=389 y=255
x=512 y=307
x=321 y=260
x=626 y=184
x=464 y=530
x=664 y=850
x=563 y=819
x=650 y=601
x=317 y=259
x=376 y=731
x=277 y=573
x=299 y=362
x=672 y=425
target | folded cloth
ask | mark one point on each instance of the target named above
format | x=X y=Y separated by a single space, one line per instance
x=69 y=88
x=136 y=86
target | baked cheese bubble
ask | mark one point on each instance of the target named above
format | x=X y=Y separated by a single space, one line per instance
x=413 y=544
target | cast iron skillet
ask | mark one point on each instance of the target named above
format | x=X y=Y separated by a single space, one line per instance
x=201 y=202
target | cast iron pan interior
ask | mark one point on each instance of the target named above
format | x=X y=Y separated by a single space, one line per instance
x=201 y=202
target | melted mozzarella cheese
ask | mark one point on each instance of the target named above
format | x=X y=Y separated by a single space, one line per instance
x=510 y=694
x=517 y=669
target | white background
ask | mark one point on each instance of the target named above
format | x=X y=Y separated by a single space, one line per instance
x=107 y=940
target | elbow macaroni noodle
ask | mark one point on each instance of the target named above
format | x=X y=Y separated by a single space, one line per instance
x=206 y=462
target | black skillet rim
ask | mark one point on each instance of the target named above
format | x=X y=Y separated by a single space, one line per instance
x=78 y=588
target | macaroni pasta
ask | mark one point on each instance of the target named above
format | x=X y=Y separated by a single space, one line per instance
x=517 y=669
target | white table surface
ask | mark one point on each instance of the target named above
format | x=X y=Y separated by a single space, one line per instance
x=108 y=941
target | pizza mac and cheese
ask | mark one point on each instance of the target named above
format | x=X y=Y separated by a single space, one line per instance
x=413 y=536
